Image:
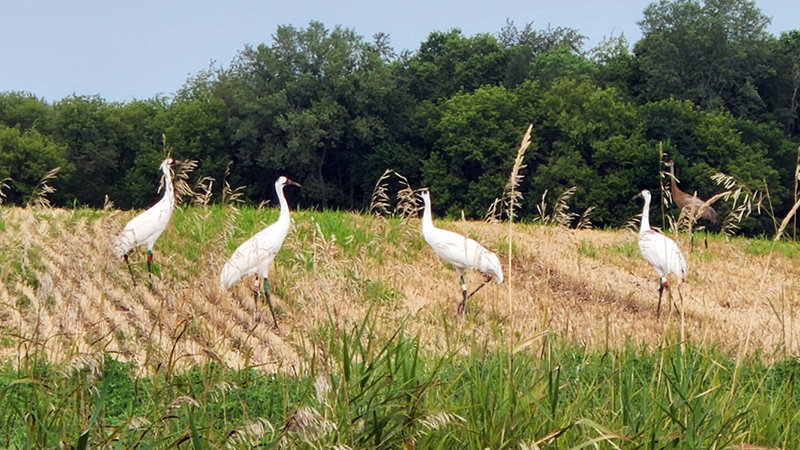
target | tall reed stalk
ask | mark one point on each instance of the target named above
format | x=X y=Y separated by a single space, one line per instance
x=514 y=196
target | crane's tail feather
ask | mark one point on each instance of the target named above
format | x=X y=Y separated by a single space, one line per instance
x=123 y=243
x=229 y=276
x=490 y=264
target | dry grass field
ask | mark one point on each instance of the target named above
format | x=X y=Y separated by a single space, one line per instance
x=63 y=292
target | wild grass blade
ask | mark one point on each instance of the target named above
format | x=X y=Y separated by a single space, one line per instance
x=83 y=439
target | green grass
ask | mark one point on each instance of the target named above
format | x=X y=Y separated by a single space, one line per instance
x=372 y=392
x=764 y=246
x=587 y=249
x=21 y=262
x=628 y=248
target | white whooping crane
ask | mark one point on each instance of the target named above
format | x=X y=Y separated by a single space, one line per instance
x=461 y=252
x=660 y=251
x=145 y=228
x=256 y=254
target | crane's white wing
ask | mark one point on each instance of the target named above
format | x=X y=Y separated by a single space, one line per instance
x=662 y=253
x=464 y=253
x=143 y=229
x=254 y=255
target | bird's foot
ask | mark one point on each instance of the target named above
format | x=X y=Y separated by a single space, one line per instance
x=462 y=307
x=276 y=329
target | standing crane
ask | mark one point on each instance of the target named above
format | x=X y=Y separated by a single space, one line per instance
x=256 y=254
x=461 y=252
x=690 y=203
x=145 y=228
x=660 y=251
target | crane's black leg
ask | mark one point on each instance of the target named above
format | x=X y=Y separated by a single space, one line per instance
x=129 y=269
x=462 y=307
x=691 y=239
x=256 y=286
x=705 y=237
x=149 y=263
x=660 y=291
x=269 y=303
x=485 y=281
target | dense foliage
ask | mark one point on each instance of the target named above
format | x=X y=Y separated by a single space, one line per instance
x=334 y=110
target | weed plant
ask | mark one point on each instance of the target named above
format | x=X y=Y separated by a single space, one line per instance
x=373 y=392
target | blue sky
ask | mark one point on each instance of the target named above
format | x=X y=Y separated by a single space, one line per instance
x=138 y=49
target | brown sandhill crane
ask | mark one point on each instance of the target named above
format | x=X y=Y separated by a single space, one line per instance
x=690 y=202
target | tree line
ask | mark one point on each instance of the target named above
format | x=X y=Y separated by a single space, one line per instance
x=334 y=110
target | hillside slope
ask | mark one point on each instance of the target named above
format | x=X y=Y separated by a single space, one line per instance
x=62 y=291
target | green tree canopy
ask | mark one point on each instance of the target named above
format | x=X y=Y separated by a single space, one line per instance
x=712 y=52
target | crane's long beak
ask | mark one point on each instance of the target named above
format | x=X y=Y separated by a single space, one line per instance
x=293 y=183
x=639 y=195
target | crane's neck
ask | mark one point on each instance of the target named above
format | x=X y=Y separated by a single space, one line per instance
x=427 y=215
x=645 y=216
x=169 y=190
x=673 y=184
x=284 y=215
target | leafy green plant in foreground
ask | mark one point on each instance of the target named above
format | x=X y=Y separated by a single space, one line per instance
x=367 y=391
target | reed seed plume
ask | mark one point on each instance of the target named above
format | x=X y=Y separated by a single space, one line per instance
x=542 y=208
x=585 y=221
x=687 y=219
x=744 y=201
x=181 y=180
x=182 y=400
x=438 y=421
x=666 y=195
x=230 y=199
x=379 y=203
x=561 y=215
x=511 y=193
x=632 y=224
x=406 y=203
x=309 y=425
x=250 y=434
x=3 y=186
x=38 y=198
x=91 y=363
x=505 y=204
x=230 y=196
x=494 y=212
x=108 y=204
x=203 y=191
